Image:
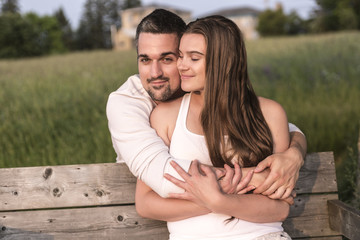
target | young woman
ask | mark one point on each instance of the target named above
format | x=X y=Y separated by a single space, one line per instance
x=221 y=119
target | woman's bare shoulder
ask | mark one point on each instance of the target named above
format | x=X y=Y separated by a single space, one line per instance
x=169 y=107
x=270 y=107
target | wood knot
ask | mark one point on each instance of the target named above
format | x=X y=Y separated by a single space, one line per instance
x=57 y=192
x=15 y=193
x=47 y=173
x=120 y=218
x=3 y=228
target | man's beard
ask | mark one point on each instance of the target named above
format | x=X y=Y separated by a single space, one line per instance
x=165 y=95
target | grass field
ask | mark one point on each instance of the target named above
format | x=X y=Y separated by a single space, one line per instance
x=53 y=108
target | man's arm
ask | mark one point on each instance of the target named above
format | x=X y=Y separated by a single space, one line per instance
x=284 y=167
x=134 y=141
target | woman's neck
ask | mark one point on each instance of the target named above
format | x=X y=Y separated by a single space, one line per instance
x=198 y=98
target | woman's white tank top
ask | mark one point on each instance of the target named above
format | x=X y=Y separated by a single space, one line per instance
x=188 y=145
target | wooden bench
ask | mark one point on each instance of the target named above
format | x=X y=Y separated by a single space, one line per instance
x=96 y=201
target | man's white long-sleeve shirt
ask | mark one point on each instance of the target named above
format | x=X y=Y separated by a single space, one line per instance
x=135 y=142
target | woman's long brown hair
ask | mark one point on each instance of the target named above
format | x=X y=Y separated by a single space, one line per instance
x=232 y=121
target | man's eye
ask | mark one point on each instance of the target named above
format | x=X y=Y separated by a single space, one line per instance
x=168 y=60
x=144 y=60
x=195 y=59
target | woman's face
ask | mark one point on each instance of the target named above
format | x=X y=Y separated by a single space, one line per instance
x=192 y=61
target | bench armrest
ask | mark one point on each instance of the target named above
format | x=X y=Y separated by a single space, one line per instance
x=344 y=219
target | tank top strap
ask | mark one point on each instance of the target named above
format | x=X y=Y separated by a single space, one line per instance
x=183 y=111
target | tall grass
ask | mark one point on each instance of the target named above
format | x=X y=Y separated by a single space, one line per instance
x=317 y=80
x=53 y=108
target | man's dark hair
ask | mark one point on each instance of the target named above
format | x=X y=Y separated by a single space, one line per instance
x=160 y=21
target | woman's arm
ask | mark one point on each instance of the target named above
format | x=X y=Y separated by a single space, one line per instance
x=150 y=205
x=204 y=190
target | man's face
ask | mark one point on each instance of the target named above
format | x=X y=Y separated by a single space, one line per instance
x=157 y=57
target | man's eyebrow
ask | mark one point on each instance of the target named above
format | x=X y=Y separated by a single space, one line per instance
x=161 y=55
x=143 y=56
x=168 y=53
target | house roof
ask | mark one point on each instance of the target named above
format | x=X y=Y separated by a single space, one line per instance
x=155 y=5
x=232 y=12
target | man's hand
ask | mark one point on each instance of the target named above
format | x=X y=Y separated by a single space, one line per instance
x=284 y=172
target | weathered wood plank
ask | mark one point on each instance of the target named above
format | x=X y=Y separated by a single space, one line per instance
x=309 y=217
x=322 y=238
x=318 y=174
x=66 y=186
x=119 y=222
x=344 y=219
x=111 y=183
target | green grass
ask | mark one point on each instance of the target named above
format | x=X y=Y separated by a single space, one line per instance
x=53 y=108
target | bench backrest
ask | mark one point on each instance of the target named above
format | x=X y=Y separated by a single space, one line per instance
x=96 y=201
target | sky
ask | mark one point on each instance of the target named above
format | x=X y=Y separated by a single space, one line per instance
x=73 y=8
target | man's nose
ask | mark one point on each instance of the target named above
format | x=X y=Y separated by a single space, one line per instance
x=156 y=70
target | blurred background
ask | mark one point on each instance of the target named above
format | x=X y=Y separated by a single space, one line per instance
x=59 y=61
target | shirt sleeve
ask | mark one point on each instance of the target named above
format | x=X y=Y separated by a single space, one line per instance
x=294 y=128
x=136 y=143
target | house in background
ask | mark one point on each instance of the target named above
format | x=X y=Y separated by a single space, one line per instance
x=124 y=38
x=246 y=19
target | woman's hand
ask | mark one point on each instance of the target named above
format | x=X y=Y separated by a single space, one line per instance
x=232 y=182
x=200 y=184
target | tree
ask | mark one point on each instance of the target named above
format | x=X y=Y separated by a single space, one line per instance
x=48 y=33
x=92 y=32
x=67 y=33
x=131 y=4
x=29 y=35
x=17 y=37
x=294 y=24
x=9 y=6
x=272 y=23
x=96 y=21
x=337 y=15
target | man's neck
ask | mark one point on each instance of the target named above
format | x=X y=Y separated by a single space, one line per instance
x=177 y=94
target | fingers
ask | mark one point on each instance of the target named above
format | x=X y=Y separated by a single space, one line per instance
x=183 y=196
x=207 y=170
x=194 y=168
x=244 y=182
x=226 y=181
x=269 y=185
x=175 y=181
x=245 y=190
x=219 y=172
x=278 y=194
x=289 y=192
x=238 y=174
x=289 y=200
x=263 y=164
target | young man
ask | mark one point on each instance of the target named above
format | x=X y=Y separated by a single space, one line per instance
x=129 y=108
